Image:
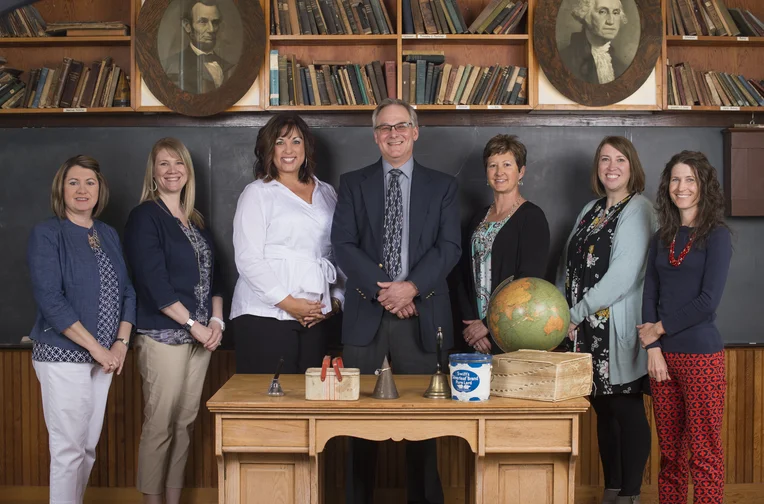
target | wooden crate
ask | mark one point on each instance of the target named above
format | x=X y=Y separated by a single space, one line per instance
x=540 y=375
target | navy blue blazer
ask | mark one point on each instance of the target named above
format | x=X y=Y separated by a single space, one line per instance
x=65 y=279
x=164 y=265
x=434 y=248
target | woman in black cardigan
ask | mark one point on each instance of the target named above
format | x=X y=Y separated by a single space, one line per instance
x=509 y=239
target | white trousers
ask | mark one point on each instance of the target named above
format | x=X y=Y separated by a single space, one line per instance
x=73 y=402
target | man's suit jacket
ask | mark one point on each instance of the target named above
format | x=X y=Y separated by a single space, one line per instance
x=183 y=69
x=578 y=58
x=434 y=249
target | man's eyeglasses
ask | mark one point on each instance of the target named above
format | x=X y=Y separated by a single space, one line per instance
x=401 y=128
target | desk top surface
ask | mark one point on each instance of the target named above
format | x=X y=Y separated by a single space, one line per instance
x=247 y=394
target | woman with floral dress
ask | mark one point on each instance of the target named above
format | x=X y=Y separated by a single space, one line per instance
x=509 y=239
x=603 y=272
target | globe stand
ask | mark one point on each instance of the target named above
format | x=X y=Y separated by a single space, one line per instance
x=439 y=387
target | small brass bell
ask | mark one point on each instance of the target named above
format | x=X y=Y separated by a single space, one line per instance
x=385 y=387
x=439 y=387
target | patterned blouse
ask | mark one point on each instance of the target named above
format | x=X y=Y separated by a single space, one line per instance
x=108 y=313
x=201 y=290
x=588 y=258
x=482 y=243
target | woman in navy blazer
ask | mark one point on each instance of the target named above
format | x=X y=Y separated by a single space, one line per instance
x=180 y=310
x=85 y=313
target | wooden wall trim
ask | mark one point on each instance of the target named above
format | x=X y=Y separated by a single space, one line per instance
x=345 y=119
x=24 y=461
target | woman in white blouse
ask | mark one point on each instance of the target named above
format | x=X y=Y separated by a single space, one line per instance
x=288 y=283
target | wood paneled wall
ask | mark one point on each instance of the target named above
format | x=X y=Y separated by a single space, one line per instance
x=24 y=455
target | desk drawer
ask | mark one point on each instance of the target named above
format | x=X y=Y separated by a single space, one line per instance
x=529 y=435
x=256 y=433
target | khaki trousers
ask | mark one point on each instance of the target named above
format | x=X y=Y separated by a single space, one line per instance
x=172 y=377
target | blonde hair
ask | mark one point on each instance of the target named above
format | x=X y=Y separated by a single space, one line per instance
x=57 y=201
x=150 y=191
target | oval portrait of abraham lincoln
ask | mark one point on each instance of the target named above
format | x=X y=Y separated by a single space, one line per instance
x=597 y=39
x=199 y=43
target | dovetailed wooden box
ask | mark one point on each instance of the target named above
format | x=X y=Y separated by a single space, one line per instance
x=540 y=375
x=331 y=389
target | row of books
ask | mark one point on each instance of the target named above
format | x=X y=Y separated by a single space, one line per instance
x=330 y=17
x=73 y=85
x=445 y=17
x=688 y=87
x=23 y=22
x=329 y=82
x=711 y=18
x=430 y=83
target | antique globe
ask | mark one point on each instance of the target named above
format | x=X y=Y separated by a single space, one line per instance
x=527 y=313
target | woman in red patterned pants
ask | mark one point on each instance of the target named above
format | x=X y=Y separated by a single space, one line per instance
x=687 y=269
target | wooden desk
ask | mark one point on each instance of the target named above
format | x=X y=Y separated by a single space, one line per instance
x=268 y=447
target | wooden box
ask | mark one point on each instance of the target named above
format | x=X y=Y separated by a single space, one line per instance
x=332 y=389
x=540 y=375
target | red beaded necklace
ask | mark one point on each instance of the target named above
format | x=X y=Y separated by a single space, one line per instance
x=675 y=262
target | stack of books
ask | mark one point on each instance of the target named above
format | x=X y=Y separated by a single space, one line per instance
x=429 y=80
x=11 y=86
x=445 y=17
x=688 y=87
x=23 y=22
x=330 y=17
x=711 y=18
x=329 y=82
x=74 y=85
x=88 y=29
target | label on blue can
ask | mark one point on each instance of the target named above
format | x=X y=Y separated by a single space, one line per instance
x=464 y=380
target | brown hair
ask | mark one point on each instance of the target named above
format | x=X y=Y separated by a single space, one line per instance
x=279 y=125
x=710 y=199
x=57 y=202
x=150 y=191
x=636 y=173
x=501 y=144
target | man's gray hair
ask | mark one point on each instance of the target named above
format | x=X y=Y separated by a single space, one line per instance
x=583 y=8
x=394 y=101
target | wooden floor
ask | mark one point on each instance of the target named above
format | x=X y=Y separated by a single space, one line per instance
x=735 y=494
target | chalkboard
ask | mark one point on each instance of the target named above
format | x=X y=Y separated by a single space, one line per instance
x=557 y=179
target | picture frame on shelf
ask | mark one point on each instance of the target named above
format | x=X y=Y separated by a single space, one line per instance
x=199 y=57
x=629 y=36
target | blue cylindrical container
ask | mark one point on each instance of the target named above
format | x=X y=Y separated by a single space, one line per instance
x=470 y=376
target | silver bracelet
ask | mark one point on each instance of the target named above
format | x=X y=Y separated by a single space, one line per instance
x=219 y=321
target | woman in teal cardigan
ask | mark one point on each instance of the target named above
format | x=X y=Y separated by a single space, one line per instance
x=602 y=274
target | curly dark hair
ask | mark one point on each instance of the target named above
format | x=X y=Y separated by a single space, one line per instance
x=710 y=199
x=279 y=125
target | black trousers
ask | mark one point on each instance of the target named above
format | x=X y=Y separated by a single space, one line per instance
x=399 y=340
x=262 y=341
x=624 y=440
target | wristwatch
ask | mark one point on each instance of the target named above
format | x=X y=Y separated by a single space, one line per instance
x=124 y=341
x=189 y=324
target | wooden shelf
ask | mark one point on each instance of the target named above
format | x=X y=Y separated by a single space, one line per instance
x=333 y=39
x=699 y=108
x=319 y=108
x=683 y=40
x=94 y=110
x=66 y=41
x=466 y=39
x=505 y=108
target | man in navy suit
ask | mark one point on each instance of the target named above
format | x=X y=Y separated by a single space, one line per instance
x=396 y=235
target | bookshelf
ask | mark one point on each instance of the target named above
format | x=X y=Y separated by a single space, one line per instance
x=459 y=49
x=730 y=54
x=740 y=55
x=27 y=53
